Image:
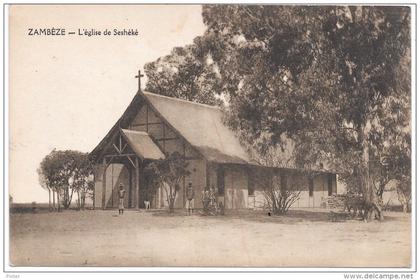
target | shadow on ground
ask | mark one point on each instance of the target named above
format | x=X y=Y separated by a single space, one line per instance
x=292 y=217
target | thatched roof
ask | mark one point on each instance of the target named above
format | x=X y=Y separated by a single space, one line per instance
x=198 y=124
x=201 y=125
x=142 y=144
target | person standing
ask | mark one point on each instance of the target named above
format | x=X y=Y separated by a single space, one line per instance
x=190 y=198
x=121 y=194
x=206 y=200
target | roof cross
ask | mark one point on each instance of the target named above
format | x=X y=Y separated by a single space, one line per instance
x=139 y=76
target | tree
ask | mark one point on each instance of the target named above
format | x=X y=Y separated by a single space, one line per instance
x=68 y=160
x=82 y=177
x=65 y=172
x=281 y=192
x=51 y=175
x=184 y=74
x=322 y=76
x=168 y=174
x=45 y=185
x=334 y=80
x=404 y=194
x=398 y=168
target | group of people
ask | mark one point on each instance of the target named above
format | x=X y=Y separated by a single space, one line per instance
x=209 y=199
x=189 y=206
x=210 y=204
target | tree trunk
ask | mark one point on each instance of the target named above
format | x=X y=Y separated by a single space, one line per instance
x=171 y=204
x=405 y=203
x=82 y=200
x=64 y=197
x=403 y=199
x=54 y=208
x=371 y=198
x=66 y=201
x=172 y=201
x=67 y=197
x=78 y=200
x=58 y=201
x=70 y=197
x=49 y=199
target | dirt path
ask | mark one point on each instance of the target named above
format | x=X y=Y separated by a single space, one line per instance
x=306 y=239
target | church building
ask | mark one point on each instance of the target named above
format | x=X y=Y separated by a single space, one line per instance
x=154 y=126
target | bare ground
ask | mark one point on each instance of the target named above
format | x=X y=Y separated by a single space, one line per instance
x=304 y=238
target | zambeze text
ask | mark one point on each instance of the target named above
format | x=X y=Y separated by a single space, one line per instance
x=46 y=31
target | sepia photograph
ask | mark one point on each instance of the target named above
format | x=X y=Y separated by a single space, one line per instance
x=210 y=136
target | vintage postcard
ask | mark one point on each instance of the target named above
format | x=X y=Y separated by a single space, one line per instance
x=210 y=136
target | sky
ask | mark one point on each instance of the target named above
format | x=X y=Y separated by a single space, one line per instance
x=66 y=92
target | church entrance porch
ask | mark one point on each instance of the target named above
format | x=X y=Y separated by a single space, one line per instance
x=122 y=162
x=117 y=174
